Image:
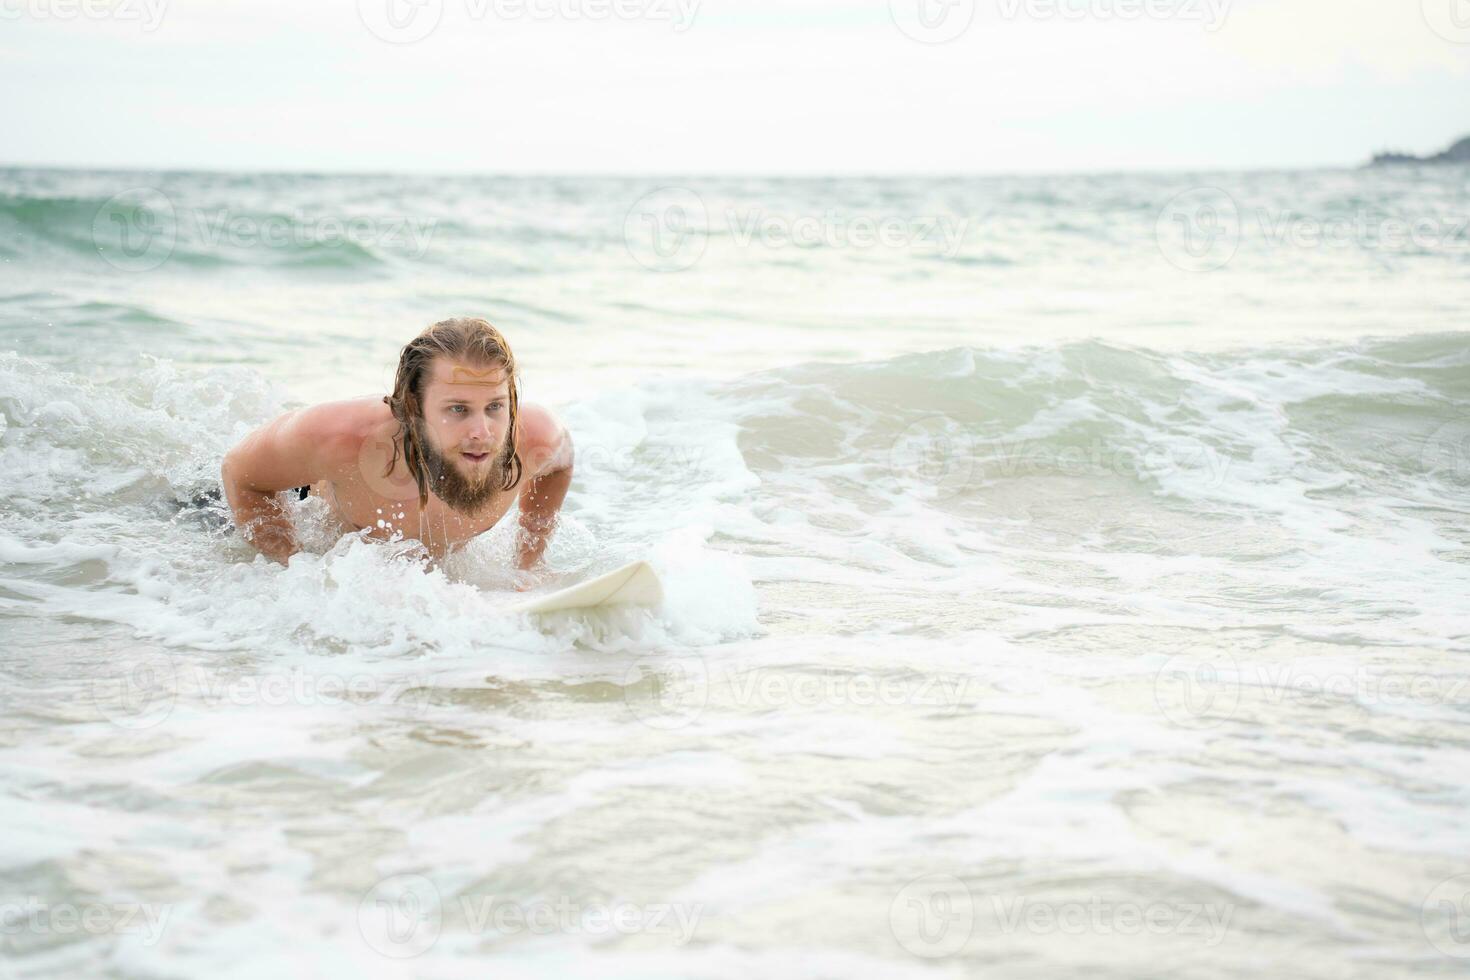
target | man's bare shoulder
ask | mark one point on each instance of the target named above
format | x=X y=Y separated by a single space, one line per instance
x=541 y=440
x=340 y=428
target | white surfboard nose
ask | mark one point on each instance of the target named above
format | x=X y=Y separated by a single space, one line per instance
x=635 y=584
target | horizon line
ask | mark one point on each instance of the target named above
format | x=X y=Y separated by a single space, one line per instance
x=690 y=174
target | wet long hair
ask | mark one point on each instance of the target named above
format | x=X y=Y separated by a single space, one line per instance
x=467 y=339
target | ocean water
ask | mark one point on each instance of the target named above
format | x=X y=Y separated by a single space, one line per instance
x=1067 y=577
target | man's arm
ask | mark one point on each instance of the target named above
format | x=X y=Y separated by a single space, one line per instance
x=547 y=455
x=294 y=450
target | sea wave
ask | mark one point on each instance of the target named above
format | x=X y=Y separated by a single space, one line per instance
x=141 y=228
x=904 y=469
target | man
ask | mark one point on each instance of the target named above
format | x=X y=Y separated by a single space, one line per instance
x=440 y=460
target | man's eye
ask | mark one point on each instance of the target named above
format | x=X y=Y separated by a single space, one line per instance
x=497 y=406
x=456 y=408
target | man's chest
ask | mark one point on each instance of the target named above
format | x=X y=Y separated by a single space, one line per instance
x=437 y=525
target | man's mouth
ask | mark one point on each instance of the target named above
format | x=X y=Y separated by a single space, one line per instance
x=476 y=457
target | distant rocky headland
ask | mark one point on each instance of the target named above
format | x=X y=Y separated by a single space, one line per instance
x=1459 y=153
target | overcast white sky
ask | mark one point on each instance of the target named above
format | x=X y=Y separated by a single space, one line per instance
x=729 y=86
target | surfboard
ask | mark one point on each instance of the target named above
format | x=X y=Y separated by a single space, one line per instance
x=635 y=584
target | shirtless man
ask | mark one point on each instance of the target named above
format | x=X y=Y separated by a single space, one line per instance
x=440 y=460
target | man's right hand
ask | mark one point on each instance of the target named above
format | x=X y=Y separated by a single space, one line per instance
x=294 y=450
x=263 y=521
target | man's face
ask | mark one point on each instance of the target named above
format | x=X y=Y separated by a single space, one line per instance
x=465 y=425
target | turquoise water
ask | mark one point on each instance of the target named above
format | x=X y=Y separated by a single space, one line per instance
x=1066 y=576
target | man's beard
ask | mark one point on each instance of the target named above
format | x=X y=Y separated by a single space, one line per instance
x=449 y=484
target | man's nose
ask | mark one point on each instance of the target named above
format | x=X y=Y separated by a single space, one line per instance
x=480 y=428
